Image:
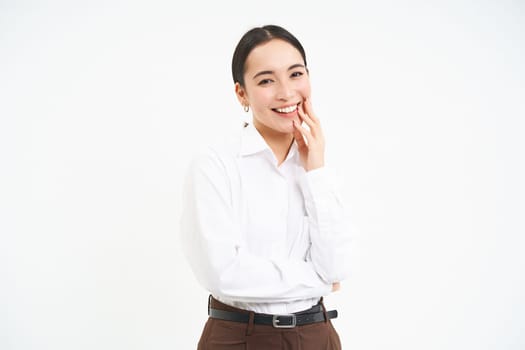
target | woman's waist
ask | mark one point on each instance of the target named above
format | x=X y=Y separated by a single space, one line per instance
x=271 y=308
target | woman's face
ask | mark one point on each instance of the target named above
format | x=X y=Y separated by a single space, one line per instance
x=276 y=83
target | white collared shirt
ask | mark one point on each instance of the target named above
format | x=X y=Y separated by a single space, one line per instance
x=259 y=236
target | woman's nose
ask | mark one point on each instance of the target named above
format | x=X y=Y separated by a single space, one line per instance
x=284 y=91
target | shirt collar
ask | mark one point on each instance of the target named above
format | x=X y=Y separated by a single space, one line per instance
x=252 y=142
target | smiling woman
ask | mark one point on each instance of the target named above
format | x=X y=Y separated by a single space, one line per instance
x=262 y=225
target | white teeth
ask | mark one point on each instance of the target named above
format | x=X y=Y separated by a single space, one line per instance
x=287 y=109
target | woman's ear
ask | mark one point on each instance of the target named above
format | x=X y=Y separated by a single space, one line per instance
x=241 y=94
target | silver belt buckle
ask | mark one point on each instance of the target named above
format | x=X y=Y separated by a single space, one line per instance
x=276 y=321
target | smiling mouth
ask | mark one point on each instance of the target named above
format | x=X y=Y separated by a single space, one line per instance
x=286 y=110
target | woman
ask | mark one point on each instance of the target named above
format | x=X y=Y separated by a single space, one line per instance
x=263 y=228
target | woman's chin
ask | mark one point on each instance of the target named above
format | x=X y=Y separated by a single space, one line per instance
x=281 y=127
x=285 y=126
x=289 y=127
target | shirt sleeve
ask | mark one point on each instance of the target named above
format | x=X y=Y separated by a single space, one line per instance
x=211 y=237
x=330 y=232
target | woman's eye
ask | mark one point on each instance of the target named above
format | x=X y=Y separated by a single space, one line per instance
x=296 y=74
x=265 y=81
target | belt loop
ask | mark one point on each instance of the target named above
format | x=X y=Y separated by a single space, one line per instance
x=249 y=329
x=324 y=310
x=209 y=304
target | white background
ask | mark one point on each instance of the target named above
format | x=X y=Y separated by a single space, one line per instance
x=103 y=103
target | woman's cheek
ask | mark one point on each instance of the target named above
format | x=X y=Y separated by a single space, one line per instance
x=305 y=89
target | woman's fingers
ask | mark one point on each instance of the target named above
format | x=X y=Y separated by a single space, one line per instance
x=298 y=135
x=304 y=132
x=303 y=115
x=308 y=117
x=309 y=110
x=309 y=137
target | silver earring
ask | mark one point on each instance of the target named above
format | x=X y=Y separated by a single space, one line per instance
x=246 y=108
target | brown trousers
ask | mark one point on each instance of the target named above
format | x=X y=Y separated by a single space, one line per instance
x=228 y=335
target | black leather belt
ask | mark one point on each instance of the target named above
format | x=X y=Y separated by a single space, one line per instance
x=277 y=321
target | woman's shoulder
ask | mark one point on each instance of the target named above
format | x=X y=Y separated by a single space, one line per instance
x=220 y=151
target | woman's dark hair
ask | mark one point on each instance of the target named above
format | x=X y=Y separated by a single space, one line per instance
x=255 y=37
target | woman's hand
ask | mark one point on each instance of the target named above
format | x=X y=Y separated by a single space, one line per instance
x=336 y=286
x=311 y=151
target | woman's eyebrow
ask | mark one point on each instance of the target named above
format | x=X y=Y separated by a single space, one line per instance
x=262 y=73
x=293 y=66
x=297 y=65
